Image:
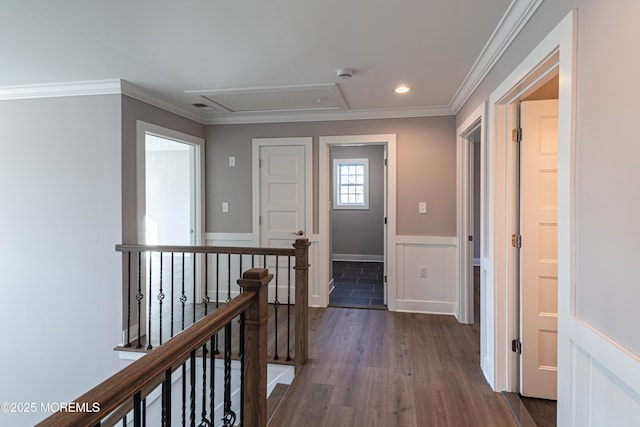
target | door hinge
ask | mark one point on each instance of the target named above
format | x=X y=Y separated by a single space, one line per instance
x=259 y=163
x=386 y=162
x=260 y=220
x=516 y=346
x=385 y=278
x=471 y=238
x=385 y=220
x=516 y=135
x=516 y=240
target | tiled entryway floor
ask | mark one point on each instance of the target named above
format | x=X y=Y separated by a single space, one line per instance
x=358 y=285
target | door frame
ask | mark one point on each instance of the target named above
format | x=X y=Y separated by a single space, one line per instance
x=557 y=49
x=257 y=143
x=324 y=197
x=464 y=256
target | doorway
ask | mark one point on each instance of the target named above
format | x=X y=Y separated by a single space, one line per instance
x=358 y=183
x=326 y=199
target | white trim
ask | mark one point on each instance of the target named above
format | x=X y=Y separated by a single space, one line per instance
x=52 y=90
x=306 y=142
x=465 y=284
x=357 y=258
x=426 y=307
x=426 y=240
x=337 y=185
x=514 y=19
x=133 y=91
x=325 y=210
x=330 y=115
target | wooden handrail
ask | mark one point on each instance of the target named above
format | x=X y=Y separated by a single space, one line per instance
x=206 y=249
x=126 y=383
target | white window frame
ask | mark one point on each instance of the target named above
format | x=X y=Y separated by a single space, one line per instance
x=337 y=185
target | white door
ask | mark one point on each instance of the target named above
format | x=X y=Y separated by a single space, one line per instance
x=539 y=254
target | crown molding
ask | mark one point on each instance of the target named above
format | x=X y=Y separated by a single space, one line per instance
x=514 y=19
x=53 y=90
x=133 y=91
x=326 y=115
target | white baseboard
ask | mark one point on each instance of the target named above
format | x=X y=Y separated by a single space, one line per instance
x=427 y=307
x=357 y=258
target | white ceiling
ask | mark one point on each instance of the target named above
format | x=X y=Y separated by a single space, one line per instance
x=174 y=49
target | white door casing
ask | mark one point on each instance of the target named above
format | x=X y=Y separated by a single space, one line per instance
x=324 y=214
x=282 y=202
x=539 y=252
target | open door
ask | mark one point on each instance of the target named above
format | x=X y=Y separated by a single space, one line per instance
x=539 y=249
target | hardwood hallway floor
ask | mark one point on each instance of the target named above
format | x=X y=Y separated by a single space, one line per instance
x=377 y=368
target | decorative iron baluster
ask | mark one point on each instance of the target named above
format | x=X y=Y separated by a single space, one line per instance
x=228 y=278
x=276 y=306
x=166 y=399
x=253 y=261
x=172 y=277
x=124 y=421
x=229 y=418
x=183 y=296
x=139 y=297
x=204 y=421
x=205 y=300
x=149 y=346
x=160 y=299
x=144 y=412
x=128 y=344
x=241 y=354
x=288 y=308
x=192 y=375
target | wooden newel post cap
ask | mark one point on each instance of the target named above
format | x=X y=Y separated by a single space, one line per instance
x=255 y=278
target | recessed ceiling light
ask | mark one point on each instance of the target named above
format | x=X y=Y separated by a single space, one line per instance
x=402 y=89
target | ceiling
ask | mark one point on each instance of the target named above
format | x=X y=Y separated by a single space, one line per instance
x=264 y=58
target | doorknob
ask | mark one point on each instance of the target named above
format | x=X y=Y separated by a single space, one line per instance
x=298 y=233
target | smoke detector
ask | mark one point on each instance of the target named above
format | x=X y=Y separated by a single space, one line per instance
x=344 y=73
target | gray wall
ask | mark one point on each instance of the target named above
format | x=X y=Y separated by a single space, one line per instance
x=358 y=231
x=60 y=219
x=426 y=169
x=606 y=163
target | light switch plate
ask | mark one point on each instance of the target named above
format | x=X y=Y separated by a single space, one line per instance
x=232 y=161
x=225 y=207
x=422 y=207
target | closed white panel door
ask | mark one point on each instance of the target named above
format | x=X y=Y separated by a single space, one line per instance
x=539 y=254
x=282 y=195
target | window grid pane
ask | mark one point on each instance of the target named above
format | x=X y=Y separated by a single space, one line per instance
x=351 y=178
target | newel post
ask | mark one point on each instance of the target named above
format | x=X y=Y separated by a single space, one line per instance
x=302 y=302
x=254 y=410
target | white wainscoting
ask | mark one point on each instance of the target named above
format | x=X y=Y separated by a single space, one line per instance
x=606 y=380
x=437 y=292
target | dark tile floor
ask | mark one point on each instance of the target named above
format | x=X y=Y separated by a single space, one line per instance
x=358 y=285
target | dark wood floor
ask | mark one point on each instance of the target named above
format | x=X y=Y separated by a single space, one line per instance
x=379 y=368
x=358 y=285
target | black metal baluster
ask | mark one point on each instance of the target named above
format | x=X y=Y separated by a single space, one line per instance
x=172 y=277
x=166 y=399
x=276 y=306
x=204 y=421
x=253 y=260
x=139 y=297
x=228 y=278
x=137 y=418
x=184 y=394
x=128 y=344
x=217 y=351
x=212 y=380
x=205 y=300
x=288 y=308
x=149 y=346
x=160 y=299
x=124 y=421
x=241 y=291
x=194 y=287
x=192 y=375
x=242 y=389
x=229 y=417
x=144 y=412
x=183 y=296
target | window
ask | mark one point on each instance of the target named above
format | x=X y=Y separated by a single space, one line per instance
x=351 y=184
